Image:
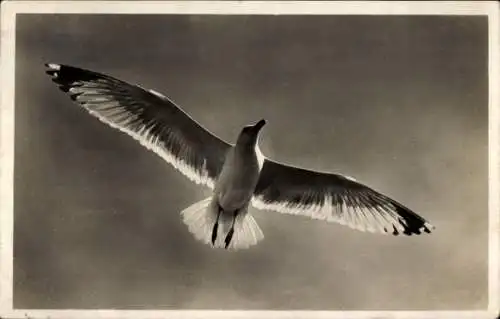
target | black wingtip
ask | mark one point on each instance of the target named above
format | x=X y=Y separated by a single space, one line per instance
x=52 y=66
x=395 y=232
x=74 y=96
x=65 y=74
x=412 y=223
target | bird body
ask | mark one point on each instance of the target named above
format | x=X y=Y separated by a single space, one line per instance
x=239 y=175
x=234 y=190
x=240 y=172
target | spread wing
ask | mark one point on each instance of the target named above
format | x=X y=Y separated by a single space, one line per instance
x=148 y=117
x=335 y=198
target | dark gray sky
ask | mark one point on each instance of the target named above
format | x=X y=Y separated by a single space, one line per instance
x=397 y=102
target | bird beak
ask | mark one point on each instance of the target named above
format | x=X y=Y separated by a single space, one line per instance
x=259 y=125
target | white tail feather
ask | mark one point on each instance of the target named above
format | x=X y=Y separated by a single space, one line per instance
x=200 y=221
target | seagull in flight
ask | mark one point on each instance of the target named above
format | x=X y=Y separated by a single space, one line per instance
x=238 y=174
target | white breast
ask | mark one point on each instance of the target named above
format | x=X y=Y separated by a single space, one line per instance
x=236 y=183
x=260 y=156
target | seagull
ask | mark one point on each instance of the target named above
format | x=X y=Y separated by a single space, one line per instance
x=238 y=174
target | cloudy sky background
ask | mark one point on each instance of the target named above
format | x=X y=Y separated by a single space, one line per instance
x=397 y=102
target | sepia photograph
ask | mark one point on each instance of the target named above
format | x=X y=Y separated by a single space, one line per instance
x=253 y=159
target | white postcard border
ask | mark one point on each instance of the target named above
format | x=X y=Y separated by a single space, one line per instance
x=11 y=8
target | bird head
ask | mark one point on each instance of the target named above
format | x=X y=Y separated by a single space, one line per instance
x=250 y=133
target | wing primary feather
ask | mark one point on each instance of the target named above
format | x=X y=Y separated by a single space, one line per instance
x=347 y=212
x=372 y=220
x=352 y=217
x=361 y=212
x=340 y=210
x=382 y=220
x=358 y=224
